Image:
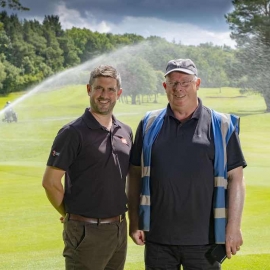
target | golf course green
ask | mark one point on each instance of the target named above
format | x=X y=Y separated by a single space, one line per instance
x=30 y=229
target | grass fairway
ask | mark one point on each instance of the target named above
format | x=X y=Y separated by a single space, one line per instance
x=30 y=230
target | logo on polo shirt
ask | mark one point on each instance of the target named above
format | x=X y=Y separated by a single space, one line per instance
x=54 y=153
x=124 y=140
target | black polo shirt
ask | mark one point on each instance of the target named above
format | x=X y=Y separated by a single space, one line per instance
x=96 y=162
x=182 y=178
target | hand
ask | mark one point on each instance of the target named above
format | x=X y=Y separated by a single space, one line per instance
x=233 y=241
x=138 y=237
x=62 y=219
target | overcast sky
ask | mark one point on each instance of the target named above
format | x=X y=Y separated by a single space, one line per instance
x=190 y=22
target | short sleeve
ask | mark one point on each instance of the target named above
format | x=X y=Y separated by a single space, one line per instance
x=65 y=148
x=235 y=157
x=136 y=151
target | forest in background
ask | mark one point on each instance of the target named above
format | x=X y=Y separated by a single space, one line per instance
x=31 y=51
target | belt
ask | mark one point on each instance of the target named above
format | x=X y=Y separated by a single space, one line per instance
x=96 y=220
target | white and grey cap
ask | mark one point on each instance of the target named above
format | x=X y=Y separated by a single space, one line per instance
x=181 y=65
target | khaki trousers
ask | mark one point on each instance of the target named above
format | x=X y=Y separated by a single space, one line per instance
x=95 y=246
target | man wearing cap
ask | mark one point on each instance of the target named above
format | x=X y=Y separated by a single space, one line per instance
x=186 y=186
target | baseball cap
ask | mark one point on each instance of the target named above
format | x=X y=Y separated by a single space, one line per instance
x=181 y=65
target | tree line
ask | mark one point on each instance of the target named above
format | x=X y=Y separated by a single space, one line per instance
x=31 y=51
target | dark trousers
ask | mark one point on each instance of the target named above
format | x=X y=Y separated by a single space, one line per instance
x=167 y=257
x=93 y=246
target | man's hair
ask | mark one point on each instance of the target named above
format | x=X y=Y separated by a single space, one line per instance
x=105 y=71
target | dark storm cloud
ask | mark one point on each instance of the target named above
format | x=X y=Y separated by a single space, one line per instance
x=207 y=14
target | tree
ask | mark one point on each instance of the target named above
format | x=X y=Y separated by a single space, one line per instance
x=53 y=53
x=12 y=4
x=3 y=74
x=12 y=81
x=159 y=87
x=52 y=23
x=250 y=25
x=70 y=52
x=5 y=43
x=138 y=76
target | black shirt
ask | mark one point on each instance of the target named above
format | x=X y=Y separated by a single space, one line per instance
x=96 y=162
x=182 y=178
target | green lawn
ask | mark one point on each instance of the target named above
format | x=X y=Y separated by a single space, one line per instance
x=30 y=230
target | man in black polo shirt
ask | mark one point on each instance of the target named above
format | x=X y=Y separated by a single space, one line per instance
x=93 y=153
x=180 y=150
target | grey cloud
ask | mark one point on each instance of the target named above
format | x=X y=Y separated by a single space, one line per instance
x=207 y=14
x=38 y=8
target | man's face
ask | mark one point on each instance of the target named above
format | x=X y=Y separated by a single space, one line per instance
x=103 y=95
x=181 y=89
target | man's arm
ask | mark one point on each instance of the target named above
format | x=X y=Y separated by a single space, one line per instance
x=236 y=197
x=54 y=188
x=133 y=193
